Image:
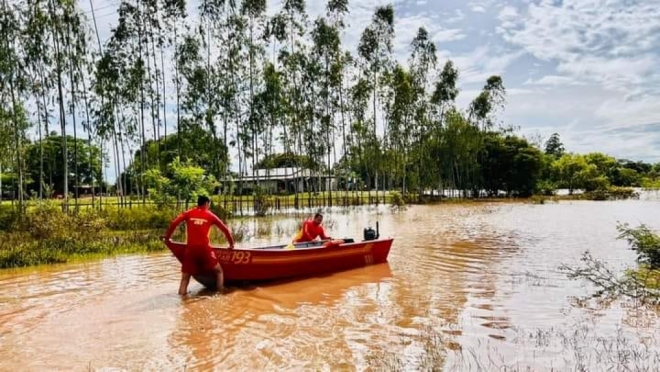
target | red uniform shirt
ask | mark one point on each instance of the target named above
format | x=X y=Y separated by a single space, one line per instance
x=198 y=225
x=310 y=230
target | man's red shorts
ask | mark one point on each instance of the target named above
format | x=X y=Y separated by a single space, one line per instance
x=198 y=259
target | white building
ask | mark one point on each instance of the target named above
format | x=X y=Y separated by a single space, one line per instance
x=285 y=180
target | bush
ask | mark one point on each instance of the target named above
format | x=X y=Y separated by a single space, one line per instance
x=599 y=183
x=24 y=255
x=410 y=198
x=45 y=234
x=397 y=200
x=89 y=224
x=262 y=203
x=546 y=188
x=612 y=193
x=57 y=250
x=46 y=220
x=9 y=217
x=644 y=242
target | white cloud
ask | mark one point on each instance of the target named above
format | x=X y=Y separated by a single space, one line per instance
x=508 y=13
x=553 y=80
x=609 y=42
x=605 y=55
x=480 y=6
x=481 y=63
x=508 y=17
x=446 y=35
x=457 y=18
x=619 y=111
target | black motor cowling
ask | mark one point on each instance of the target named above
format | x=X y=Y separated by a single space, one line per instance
x=371 y=234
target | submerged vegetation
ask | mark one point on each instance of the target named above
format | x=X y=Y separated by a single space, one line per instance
x=641 y=284
x=576 y=346
x=45 y=234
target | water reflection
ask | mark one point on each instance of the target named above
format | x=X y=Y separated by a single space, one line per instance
x=484 y=276
x=267 y=321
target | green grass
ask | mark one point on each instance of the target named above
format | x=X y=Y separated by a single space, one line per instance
x=45 y=234
x=32 y=252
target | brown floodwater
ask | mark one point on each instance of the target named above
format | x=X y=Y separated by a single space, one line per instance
x=483 y=276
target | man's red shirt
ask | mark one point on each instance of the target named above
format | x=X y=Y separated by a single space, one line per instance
x=198 y=225
x=310 y=230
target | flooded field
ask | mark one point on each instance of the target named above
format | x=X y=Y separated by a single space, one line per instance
x=475 y=286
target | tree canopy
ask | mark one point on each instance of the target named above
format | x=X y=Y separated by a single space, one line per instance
x=270 y=87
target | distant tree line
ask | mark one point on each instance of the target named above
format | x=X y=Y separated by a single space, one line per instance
x=593 y=171
x=278 y=90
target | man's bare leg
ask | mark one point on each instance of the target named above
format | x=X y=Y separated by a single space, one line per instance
x=183 y=286
x=220 y=282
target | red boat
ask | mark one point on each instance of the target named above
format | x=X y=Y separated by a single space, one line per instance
x=306 y=259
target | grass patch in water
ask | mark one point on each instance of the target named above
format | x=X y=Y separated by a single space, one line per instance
x=570 y=347
x=21 y=250
x=44 y=234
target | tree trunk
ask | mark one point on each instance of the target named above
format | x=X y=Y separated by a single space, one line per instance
x=65 y=156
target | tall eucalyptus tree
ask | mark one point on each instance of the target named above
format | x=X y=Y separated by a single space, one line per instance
x=253 y=11
x=480 y=112
x=270 y=100
x=127 y=53
x=13 y=118
x=491 y=98
x=342 y=72
x=423 y=62
x=74 y=35
x=209 y=30
x=375 y=49
x=336 y=10
x=60 y=61
x=327 y=50
x=400 y=116
x=38 y=59
x=105 y=114
x=288 y=27
x=442 y=100
x=171 y=13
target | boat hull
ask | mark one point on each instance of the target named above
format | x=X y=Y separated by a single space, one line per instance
x=276 y=262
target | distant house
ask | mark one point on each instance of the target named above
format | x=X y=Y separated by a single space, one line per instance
x=84 y=190
x=286 y=180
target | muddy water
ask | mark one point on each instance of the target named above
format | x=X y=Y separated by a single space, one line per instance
x=483 y=276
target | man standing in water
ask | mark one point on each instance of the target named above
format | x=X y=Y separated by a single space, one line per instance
x=198 y=255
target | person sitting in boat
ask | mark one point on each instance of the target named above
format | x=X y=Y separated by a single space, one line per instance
x=199 y=256
x=310 y=230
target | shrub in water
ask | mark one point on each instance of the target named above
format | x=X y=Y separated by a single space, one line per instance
x=46 y=220
x=644 y=242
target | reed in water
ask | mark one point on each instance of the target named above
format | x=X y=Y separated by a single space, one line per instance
x=44 y=234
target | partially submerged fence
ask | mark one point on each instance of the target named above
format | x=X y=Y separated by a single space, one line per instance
x=245 y=205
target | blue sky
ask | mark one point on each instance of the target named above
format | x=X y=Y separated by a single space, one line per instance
x=588 y=69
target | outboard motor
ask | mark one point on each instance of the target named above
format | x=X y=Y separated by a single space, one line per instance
x=371 y=234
